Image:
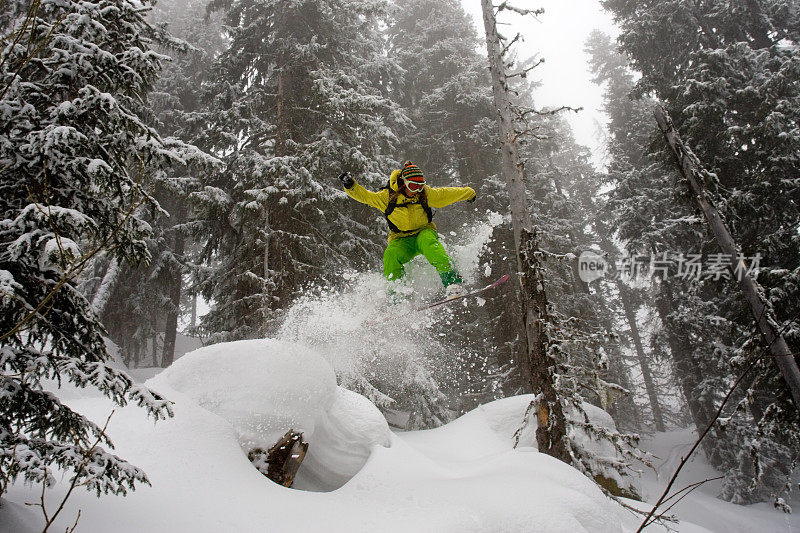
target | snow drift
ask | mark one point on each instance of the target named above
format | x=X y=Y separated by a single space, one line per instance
x=263 y=388
x=465 y=476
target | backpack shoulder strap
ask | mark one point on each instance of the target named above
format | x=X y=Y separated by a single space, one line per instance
x=393 y=196
x=423 y=201
x=390 y=207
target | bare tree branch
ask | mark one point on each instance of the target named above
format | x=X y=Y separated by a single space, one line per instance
x=519 y=10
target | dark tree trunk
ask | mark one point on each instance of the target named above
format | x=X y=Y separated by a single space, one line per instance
x=176 y=285
x=193 y=319
x=154 y=351
x=551 y=433
x=681 y=350
x=283 y=117
x=647 y=376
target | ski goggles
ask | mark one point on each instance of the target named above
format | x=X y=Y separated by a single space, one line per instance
x=414 y=184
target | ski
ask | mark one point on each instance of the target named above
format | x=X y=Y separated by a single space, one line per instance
x=446 y=301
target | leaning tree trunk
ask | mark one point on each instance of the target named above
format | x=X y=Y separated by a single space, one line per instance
x=551 y=433
x=761 y=310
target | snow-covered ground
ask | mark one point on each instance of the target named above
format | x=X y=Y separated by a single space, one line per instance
x=464 y=476
x=358 y=476
x=702 y=507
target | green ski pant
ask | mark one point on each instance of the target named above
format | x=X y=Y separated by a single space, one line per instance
x=403 y=249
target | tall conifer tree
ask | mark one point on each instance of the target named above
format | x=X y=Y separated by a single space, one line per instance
x=300 y=94
x=728 y=74
x=76 y=161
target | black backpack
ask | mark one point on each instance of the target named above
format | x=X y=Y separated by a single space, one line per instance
x=423 y=201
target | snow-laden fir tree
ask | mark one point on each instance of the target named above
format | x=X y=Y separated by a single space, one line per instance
x=590 y=369
x=728 y=75
x=646 y=212
x=445 y=90
x=632 y=219
x=299 y=95
x=649 y=215
x=144 y=320
x=76 y=161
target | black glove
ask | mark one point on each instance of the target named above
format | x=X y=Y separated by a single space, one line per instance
x=347 y=180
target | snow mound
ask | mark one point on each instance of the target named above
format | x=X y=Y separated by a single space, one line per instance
x=475 y=474
x=486 y=430
x=266 y=387
x=344 y=438
x=262 y=387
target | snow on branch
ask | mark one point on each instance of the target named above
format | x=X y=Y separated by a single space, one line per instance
x=507 y=47
x=523 y=72
x=519 y=10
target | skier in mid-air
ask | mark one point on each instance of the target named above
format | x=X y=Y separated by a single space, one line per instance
x=406 y=203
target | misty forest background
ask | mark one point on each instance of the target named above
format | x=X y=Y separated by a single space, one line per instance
x=187 y=152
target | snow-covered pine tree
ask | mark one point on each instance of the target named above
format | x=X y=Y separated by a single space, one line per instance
x=144 y=320
x=590 y=367
x=76 y=160
x=176 y=102
x=768 y=329
x=299 y=95
x=628 y=209
x=445 y=90
x=728 y=75
x=647 y=212
x=565 y=198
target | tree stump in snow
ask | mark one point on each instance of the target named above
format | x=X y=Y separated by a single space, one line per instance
x=281 y=462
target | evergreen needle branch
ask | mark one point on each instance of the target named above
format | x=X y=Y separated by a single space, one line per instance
x=32 y=14
x=87 y=455
x=16 y=35
x=664 y=496
x=49 y=215
x=5 y=472
x=72 y=272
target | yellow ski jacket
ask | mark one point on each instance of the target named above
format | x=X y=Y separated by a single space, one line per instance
x=411 y=218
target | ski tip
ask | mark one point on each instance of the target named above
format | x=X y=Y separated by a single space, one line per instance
x=502 y=280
